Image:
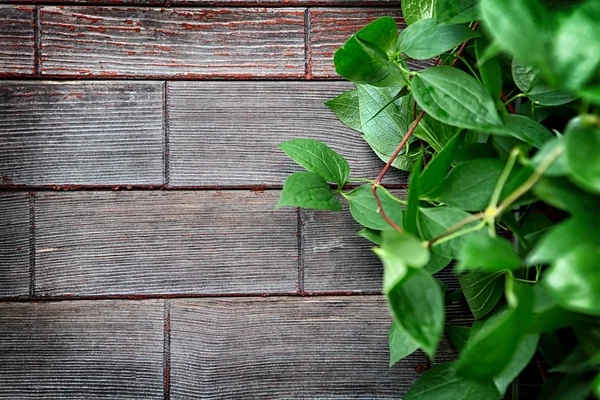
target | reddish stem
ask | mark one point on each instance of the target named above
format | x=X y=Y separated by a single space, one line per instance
x=510 y=107
x=539 y=365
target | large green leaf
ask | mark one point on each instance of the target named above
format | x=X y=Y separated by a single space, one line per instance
x=455 y=98
x=490 y=350
x=486 y=253
x=426 y=39
x=456 y=11
x=583 y=156
x=574 y=279
x=365 y=57
x=469 y=185
x=401 y=344
x=435 y=173
x=308 y=190
x=363 y=208
x=318 y=158
x=521 y=358
x=418 y=306
x=482 y=291
x=525 y=129
x=345 y=107
x=442 y=383
x=416 y=10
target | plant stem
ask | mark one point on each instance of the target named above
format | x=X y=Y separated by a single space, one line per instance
x=510 y=163
x=454 y=232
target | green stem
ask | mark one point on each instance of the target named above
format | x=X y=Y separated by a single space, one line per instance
x=456 y=234
x=514 y=98
x=468 y=66
x=361 y=180
x=510 y=163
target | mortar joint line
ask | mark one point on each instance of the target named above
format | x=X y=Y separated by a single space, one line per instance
x=37 y=40
x=307 y=45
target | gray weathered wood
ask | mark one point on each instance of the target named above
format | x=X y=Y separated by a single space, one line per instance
x=17 y=41
x=154 y=242
x=226 y=133
x=55 y=133
x=221 y=3
x=82 y=350
x=322 y=347
x=14 y=244
x=151 y=42
x=330 y=28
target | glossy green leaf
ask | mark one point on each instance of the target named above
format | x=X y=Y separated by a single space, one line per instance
x=371 y=235
x=490 y=351
x=486 y=253
x=457 y=11
x=525 y=76
x=582 y=148
x=401 y=344
x=458 y=335
x=455 y=98
x=308 y=190
x=363 y=208
x=435 y=133
x=469 y=185
x=412 y=206
x=345 y=107
x=318 y=158
x=416 y=10
x=525 y=129
x=521 y=358
x=442 y=383
x=418 y=306
x=437 y=263
x=573 y=280
x=545 y=96
x=434 y=174
x=426 y=39
x=482 y=291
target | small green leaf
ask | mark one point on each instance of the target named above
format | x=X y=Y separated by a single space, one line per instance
x=434 y=174
x=521 y=358
x=401 y=344
x=363 y=208
x=525 y=76
x=525 y=129
x=455 y=98
x=486 y=253
x=469 y=185
x=406 y=247
x=370 y=234
x=573 y=280
x=418 y=306
x=345 y=107
x=442 y=383
x=482 y=291
x=457 y=11
x=416 y=10
x=308 y=190
x=318 y=158
x=459 y=335
x=583 y=156
x=425 y=39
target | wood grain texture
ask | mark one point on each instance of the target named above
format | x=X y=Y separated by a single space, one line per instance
x=220 y=3
x=152 y=42
x=330 y=28
x=334 y=258
x=14 y=244
x=81 y=350
x=153 y=242
x=326 y=347
x=226 y=133
x=54 y=133
x=17 y=41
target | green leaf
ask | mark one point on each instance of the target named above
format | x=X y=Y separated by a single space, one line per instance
x=308 y=190
x=401 y=344
x=545 y=96
x=435 y=133
x=318 y=158
x=394 y=268
x=370 y=234
x=583 y=156
x=490 y=70
x=412 y=206
x=459 y=335
x=548 y=315
x=416 y=10
x=365 y=57
x=521 y=358
x=469 y=185
x=573 y=280
x=525 y=76
x=525 y=129
x=569 y=387
x=482 y=291
x=405 y=247
x=418 y=306
x=432 y=222
x=441 y=383
x=437 y=263
x=363 y=208
x=434 y=174
x=455 y=98
x=560 y=193
x=345 y=107
x=457 y=11
x=425 y=39
x=579 y=361
x=489 y=254
x=558 y=167
x=490 y=351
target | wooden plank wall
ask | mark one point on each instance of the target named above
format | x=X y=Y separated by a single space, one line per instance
x=140 y=253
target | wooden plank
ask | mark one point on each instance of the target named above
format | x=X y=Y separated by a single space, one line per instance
x=330 y=28
x=220 y=3
x=56 y=133
x=14 y=244
x=17 y=40
x=82 y=349
x=322 y=347
x=226 y=133
x=153 y=242
x=153 y=42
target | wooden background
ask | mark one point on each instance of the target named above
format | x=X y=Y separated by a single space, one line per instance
x=140 y=254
